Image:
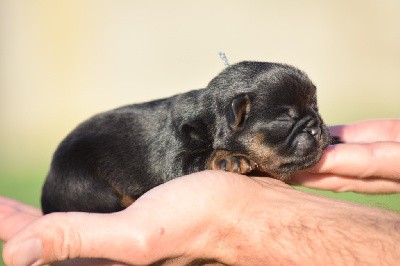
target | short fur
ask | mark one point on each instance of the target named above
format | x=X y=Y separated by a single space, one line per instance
x=253 y=118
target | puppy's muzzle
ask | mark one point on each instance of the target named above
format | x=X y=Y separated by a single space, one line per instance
x=313 y=128
x=306 y=137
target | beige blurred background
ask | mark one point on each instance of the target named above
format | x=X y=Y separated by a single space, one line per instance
x=63 y=61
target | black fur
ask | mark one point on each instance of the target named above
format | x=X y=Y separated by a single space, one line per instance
x=254 y=117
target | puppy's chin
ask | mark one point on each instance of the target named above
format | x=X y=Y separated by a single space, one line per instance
x=303 y=145
x=287 y=165
x=297 y=164
x=304 y=151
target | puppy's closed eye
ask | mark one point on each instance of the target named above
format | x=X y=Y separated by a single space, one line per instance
x=237 y=115
x=195 y=131
x=287 y=114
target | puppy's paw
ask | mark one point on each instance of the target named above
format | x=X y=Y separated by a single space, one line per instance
x=235 y=163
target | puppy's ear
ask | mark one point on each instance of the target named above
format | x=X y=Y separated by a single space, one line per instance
x=195 y=132
x=238 y=112
x=191 y=131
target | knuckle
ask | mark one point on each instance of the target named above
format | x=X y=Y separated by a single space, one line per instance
x=63 y=240
x=146 y=245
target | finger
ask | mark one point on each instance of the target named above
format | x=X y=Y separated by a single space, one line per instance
x=368 y=131
x=61 y=236
x=379 y=159
x=342 y=184
x=14 y=216
x=11 y=203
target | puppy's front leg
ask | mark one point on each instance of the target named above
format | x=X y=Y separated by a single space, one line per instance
x=231 y=161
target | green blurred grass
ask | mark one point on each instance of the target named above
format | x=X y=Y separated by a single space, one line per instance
x=384 y=201
x=25 y=186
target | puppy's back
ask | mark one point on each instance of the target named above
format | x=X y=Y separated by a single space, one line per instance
x=113 y=158
x=102 y=160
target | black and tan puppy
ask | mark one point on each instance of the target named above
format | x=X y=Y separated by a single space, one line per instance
x=253 y=118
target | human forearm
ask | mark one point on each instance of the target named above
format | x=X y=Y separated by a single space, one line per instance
x=300 y=228
x=340 y=237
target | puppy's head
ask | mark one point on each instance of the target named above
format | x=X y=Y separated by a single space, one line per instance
x=269 y=112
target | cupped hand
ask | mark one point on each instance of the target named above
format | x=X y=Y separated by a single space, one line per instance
x=368 y=161
x=206 y=218
x=14 y=216
x=181 y=221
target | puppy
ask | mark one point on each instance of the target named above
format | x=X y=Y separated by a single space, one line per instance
x=253 y=118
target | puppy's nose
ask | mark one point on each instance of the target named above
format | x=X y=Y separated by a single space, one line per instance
x=314 y=130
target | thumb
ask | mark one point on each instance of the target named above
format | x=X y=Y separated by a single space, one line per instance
x=62 y=236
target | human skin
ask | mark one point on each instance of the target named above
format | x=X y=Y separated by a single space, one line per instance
x=210 y=216
x=219 y=217
x=368 y=162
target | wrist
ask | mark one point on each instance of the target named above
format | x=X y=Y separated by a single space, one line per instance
x=296 y=227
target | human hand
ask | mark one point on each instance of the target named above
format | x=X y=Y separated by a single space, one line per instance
x=367 y=162
x=209 y=217
x=179 y=221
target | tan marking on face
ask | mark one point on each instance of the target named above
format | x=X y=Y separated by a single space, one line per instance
x=266 y=157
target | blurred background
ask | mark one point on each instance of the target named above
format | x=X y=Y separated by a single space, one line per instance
x=63 y=61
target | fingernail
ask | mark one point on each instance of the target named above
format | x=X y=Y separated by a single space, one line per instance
x=28 y=252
